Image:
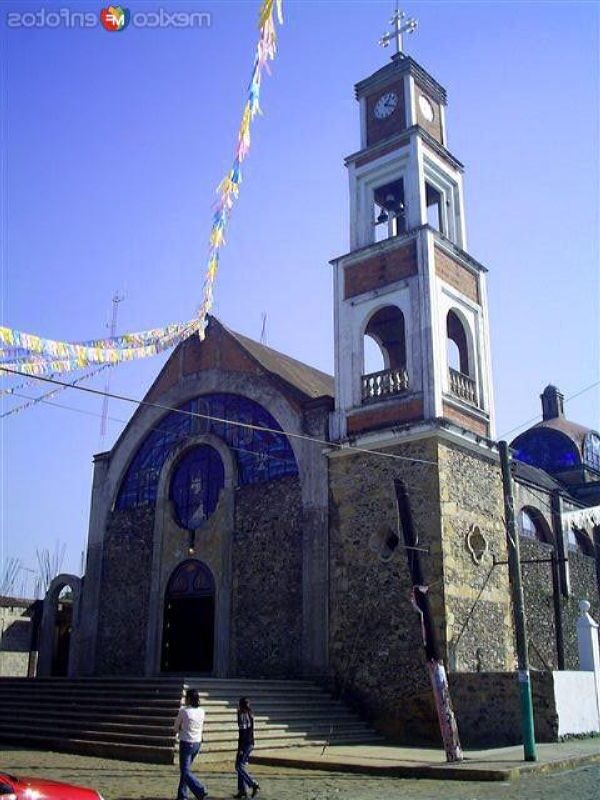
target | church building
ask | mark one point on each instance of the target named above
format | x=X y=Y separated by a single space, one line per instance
x=245 y=522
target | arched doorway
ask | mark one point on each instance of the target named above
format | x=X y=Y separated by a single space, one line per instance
x=58 y=637
x=63 y=626
x=189 y=619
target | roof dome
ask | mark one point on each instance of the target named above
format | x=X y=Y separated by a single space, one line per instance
x=556 y=444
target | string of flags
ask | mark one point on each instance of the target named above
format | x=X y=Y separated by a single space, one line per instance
x=229 y=188
x=34 y=356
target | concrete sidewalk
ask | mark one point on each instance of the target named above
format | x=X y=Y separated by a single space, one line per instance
x=500 y=764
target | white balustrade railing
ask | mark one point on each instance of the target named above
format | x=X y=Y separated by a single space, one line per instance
x=379 y=385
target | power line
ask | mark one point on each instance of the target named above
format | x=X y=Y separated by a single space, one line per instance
x=537 y=416
x=250 y=426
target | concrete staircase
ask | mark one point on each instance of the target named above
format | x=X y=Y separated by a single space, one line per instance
x=132 y=718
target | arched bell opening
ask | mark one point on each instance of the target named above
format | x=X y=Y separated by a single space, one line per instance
x=384 y=355
x=461 y=369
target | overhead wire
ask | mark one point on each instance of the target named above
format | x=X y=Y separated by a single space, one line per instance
x=537 y=416
x=291 y=434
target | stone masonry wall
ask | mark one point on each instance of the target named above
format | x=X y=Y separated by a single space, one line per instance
x=539 y=604
x=267 y=580
x=16 y=632
x=584 y=586
x=477 y=593
x=125 y=587
x=488 y=712
x=376 y=650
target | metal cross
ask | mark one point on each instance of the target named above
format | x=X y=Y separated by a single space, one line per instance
x=401 y=24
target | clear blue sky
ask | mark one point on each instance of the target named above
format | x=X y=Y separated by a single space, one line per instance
x=112 y=145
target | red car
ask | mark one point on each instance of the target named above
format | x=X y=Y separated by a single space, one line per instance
x=12 y=788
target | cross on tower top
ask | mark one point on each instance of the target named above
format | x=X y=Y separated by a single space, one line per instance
x=400 y=24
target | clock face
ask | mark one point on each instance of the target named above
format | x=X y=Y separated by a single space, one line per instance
x=386 y=105
x=426 y=108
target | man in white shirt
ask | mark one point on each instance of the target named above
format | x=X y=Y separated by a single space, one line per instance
x=189 y=724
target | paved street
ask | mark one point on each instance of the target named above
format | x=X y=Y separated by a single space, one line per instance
x=118 y=780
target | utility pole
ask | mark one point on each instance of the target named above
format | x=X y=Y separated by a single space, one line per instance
x=435 y=663
x=514 y=569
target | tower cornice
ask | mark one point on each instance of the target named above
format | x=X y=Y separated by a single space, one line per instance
x=391 y=244
x=401 y=65
x=393 y=143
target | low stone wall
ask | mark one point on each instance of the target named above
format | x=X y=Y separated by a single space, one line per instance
x=16 y=636
x=488 y=710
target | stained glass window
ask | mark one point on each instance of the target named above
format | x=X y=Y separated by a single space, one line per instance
x=261 y=455
x=195 y=486
x=547 y=449
x=191 y=579
x=591 y=451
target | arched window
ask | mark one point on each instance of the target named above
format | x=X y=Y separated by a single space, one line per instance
x=461 y=382
x=579 y=542
x=384 y=368
x=591 y=451
x=386 y=328
x=532 y=525
x=457 y=344
x=195 y=486
x=261 y=455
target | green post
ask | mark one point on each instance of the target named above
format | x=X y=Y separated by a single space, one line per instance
x=514 y=567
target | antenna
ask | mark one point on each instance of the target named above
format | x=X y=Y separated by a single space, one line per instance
x=263 y=330
x=117 y=298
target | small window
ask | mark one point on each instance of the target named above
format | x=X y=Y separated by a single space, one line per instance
x=458 y=350
x=591 y=451
x=435 y=208
x=533 y=526
x=579 y=542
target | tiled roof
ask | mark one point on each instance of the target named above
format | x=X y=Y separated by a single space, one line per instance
x=310 y=381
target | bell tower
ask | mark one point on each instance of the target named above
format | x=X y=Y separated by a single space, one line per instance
x=408 y=286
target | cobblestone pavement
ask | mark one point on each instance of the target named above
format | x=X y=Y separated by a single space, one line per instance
x=119 y=780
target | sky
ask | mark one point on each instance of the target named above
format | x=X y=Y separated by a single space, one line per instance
x=112 y=146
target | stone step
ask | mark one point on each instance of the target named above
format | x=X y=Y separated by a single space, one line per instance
x=212 y=685
x=233 y=694
x=60 y=714
x=227 y=739
x=132 y=718
x=160 y=755
x=158 y=706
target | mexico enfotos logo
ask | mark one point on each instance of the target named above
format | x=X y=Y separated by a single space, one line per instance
x=111 y=18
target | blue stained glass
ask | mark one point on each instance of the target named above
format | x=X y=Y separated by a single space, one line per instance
x=261 y=455
x=547 y=449
x=191 y=579
x=591 y=451
x=195 y=486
